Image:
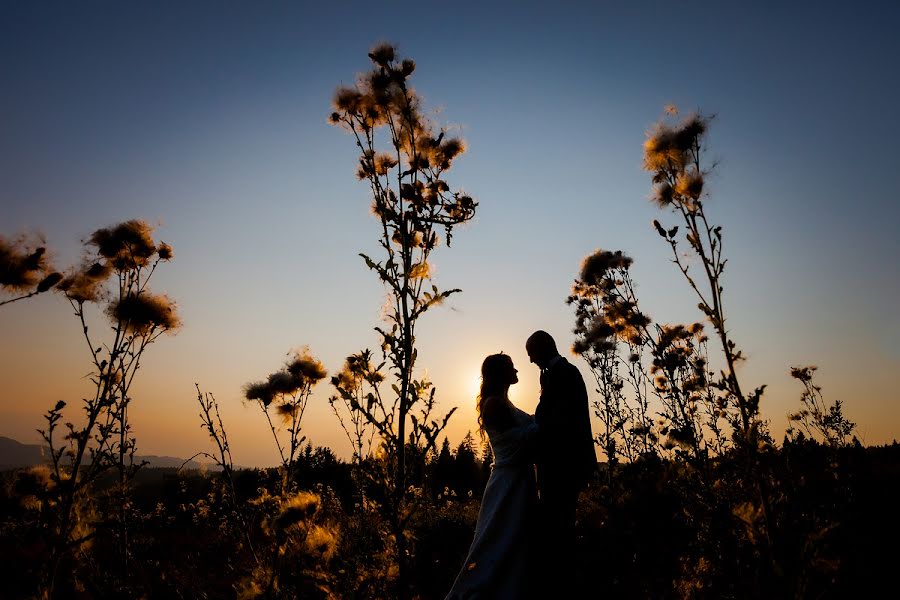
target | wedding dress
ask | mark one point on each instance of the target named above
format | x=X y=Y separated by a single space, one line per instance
x=497 y=566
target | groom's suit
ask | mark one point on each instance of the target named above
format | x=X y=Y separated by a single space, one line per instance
x=565 y=458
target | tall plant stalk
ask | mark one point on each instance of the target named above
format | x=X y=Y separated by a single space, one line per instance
x=127 y=256
x=673 y=154
x=286 y=392
x=414 y=205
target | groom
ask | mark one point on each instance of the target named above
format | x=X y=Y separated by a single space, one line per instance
x=565 y=456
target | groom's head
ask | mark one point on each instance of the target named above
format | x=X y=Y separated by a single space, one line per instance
x=541 y=348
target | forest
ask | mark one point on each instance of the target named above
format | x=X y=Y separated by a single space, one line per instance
x=694 y=495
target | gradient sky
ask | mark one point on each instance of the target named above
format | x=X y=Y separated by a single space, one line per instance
x=208 y=119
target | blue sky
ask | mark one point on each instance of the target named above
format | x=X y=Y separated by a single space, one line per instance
x=209 y=120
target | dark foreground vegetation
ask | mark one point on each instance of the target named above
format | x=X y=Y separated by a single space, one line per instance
x=651 y=529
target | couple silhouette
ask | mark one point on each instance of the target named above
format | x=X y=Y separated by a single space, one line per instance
x=525 y=536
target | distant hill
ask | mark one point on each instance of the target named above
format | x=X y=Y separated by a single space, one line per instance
x=16 y=455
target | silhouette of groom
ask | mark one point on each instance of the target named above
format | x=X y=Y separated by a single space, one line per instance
x=565 y=458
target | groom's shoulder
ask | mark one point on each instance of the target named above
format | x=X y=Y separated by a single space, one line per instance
x=568 y=369
x=565 y=365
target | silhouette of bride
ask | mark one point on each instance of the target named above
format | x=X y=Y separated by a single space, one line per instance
x=498 y=562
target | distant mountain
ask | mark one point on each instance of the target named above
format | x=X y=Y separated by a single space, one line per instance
x=16 y=455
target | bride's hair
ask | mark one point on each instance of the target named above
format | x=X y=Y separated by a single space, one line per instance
x=495 y=382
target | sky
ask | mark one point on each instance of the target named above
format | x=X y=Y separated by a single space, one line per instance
x=209 y=120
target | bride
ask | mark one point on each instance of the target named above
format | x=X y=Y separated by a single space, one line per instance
x=498 y=562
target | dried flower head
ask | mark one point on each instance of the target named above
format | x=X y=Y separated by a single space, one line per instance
x=384 y=162
x=415 y=238
x=86 y=284
x=303 y=364
x=143 y=312
x=420 y=270
x=321 y=542
x=347 y=100
x=296 y=509
x=595 y=267
x=282 y=382
x=660 y=149
x=164 y=251
x=127 y=245
x=22 y=265
x=690 y=184
x=804 y=374
x=382 y=54
x=288 y=411
x=668 y=147
x=260 y=392
x=663 y=195
x=34 y=481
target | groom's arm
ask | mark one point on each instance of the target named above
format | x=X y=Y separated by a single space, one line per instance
x=551 y=419
x=581 y=437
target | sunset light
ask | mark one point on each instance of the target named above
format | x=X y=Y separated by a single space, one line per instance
x=254 y=258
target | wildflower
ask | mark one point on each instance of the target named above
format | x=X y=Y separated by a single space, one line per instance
x=164 y=251
x=420 y=271
x=382 y=54
x=803 y=374
x=282 y=382
x=384 y=162
x=415 y=238
x=126 y=245
x=347 y=99
x=21 y=267
x=33 y=485
x=34 y=481
x=304 y=364
x=288 y=411
x=296 y=509
x=595 y=266
x=407 y=66
x=690 y=130
x=85 y=285
x=321 y=541
x=690 y=184
x=661 y=151
x=260 y=392
x=466 y=203
x=446 y=152
x=663 y=195
x=143 y=312
x=682 y=436
x=345 y=380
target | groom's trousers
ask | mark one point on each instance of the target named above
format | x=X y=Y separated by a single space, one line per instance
x=557 y=506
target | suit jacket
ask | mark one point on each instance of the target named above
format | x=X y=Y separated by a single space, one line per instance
x=565 y=453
